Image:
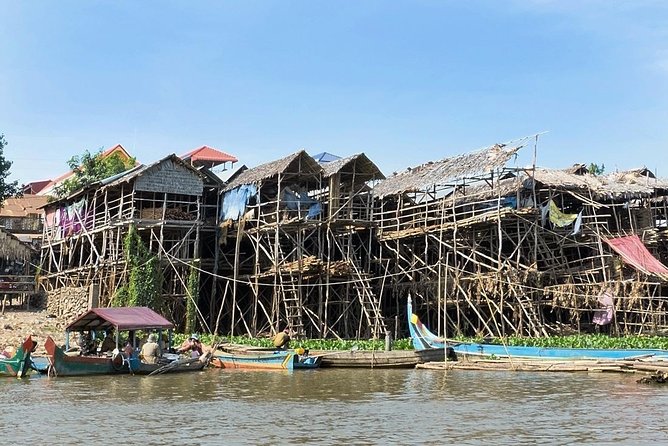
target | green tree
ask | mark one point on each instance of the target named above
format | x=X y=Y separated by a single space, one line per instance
x=89 y=168
x=191 y=299
x=144 y=286
x=595 y=169
x=7 y=189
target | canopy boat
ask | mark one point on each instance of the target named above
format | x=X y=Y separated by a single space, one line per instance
x=423 y=339
x=20 y=363
x=95 y=362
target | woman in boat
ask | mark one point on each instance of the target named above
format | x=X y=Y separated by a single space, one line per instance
x=192 y=345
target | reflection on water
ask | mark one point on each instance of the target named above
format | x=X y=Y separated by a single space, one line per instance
x=336 y=406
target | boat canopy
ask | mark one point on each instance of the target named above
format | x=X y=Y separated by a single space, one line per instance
x=123 y=318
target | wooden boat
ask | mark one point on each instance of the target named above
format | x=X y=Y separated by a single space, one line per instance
x=123 y=319
x=20 y=364
x=423 y=339
x=278 y=360
x=307 y=362
x=380 y=359
x=301 y=359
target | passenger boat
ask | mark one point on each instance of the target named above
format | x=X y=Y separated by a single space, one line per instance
x=125 y=319
x=423 y=339
x=20 y=364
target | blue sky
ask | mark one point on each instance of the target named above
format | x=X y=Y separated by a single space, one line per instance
x=403 y=81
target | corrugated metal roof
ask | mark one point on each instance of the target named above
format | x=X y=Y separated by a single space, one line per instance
x=209 y=154
x=124 y=318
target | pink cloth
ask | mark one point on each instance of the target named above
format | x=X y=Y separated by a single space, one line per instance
x=633 y=251
x=605 y=314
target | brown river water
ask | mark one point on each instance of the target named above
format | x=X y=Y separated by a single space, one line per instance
x=336 y=406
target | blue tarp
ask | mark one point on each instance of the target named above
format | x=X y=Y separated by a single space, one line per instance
x=295 y=202
x=235 y=201
x=325 y=157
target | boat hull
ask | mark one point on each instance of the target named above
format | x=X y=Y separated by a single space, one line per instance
x=424 y=340
x=60 y=364
x=18 y=365
x=528 y=352
x=270 y=361
x=380 y=359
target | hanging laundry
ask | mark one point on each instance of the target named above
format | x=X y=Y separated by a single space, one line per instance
x=558 y=218
x=578 y=224
x=604 y=315
x=544 y=210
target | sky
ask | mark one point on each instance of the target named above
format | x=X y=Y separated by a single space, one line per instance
x=405 y=82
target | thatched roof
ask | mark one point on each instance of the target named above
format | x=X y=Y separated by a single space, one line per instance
x=299 y=163
x=446 y=171
x=612 y=186
x=641 y=177
x=359 y=164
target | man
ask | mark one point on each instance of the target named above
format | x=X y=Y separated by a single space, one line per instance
x=150 y=351
x=282 y=340
x=192 y=345
x=108 y=343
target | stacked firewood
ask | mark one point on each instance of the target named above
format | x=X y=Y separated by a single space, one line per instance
x=170 y=214
x=67 y=303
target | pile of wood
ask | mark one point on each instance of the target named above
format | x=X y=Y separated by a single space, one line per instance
x=67 y=303
x=170 y=214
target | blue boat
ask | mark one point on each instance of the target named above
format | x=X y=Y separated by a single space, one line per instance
x=272 y=359
x=423 y=339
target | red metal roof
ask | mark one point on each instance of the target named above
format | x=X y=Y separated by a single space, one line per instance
x=209 y=155
x=124 y=318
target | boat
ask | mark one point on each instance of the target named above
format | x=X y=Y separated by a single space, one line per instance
x=307 y=361
x=127 y=361
x=423 y=339
x=277 y=360
x=249 y=357
x=380 y=358
x=20 y=363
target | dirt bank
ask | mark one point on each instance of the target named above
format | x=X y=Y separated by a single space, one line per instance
x=16 y=324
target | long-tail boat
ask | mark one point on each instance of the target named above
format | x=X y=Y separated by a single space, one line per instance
x=20 y=364
x=126 y=361
x=423 y=339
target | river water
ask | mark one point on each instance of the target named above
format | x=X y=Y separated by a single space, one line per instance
x=336 y=406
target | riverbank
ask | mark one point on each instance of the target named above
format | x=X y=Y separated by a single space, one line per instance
x=16 y=324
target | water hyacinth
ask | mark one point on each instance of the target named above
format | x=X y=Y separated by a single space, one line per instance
x=309 y=344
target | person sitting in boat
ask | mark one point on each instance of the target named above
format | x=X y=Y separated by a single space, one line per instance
x=282 y=340
x=150 y=351
x=192 y=345
x=108 y=343
x=87 y=344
